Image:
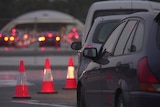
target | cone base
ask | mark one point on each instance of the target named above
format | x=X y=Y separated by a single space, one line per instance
x=21 y=92
x=70 y=84
x=47 y=88
x=47 y=92
x=21 y=97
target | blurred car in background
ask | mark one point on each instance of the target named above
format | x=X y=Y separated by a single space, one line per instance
x=24 y=39
x=49 y=39
x=16 y=38
x=9 y=39
x=75 y=35
x=1 y=39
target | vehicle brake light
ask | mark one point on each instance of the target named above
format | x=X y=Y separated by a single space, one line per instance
x=89 y=46
x=14 y=32
x=25 y=36
x=42 y=38
x=6 y=38
x=58 y=38
x=11 y=38
x=0 y=35
x=145 y=76
x=50 y=35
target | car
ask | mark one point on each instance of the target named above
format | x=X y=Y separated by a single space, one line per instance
x=100 y=31
x=24 y=39
x=2 y=42
x=9 y=39
x=49 y=38
x=108 y=8
x=125 y=72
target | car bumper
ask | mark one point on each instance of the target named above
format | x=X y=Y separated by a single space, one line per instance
x=144 y=99
x=49 y=43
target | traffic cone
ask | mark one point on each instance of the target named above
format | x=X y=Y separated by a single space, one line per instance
x=70 y=81
x=47 y=85
x=21 y=87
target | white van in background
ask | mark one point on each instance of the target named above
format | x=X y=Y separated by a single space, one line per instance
x=106 y=8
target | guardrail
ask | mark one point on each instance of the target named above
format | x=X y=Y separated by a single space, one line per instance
x=35 y=59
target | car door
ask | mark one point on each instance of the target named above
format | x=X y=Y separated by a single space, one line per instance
x=132 y=56
x=95 y=80
x=112 y=72
x=93 y=86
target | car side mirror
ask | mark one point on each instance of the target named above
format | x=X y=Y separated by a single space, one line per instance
x=90 y=52
x=76 y=45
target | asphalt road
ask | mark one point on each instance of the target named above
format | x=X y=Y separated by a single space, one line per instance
x=61 y=98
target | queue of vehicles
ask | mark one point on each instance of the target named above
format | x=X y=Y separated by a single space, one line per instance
x=44 y=23
x=21 y=39
x=16 y=39
x=122 y=70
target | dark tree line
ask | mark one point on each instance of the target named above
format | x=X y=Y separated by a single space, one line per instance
x=10 y=9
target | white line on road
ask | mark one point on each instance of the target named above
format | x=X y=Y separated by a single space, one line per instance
x=7 y=83
x=35 y=102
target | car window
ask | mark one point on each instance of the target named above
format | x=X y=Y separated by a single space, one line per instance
x=111 y=41
x=135 y=42
x=138 y=38
x=103 y=30
x=129 y=28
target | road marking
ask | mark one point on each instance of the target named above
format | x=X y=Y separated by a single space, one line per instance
x=36 y=102
x=7 y=83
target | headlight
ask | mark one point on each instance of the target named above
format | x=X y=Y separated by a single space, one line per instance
x=42 y=38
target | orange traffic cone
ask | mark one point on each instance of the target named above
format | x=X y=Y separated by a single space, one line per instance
x=47 y=85
x=21 y=87
x=70 y=81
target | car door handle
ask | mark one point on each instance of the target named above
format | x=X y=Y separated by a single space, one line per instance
x=118 y=66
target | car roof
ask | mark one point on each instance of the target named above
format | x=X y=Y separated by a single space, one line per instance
x=145 y=15
x=107 y=5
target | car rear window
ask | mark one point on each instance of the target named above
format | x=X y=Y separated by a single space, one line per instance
x=103 y=31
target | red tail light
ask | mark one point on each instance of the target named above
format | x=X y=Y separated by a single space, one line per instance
x=25 y=36
x=144 y=73
x=0 y=35
x=50 y=35
x=89 y=46
x=146 y=77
